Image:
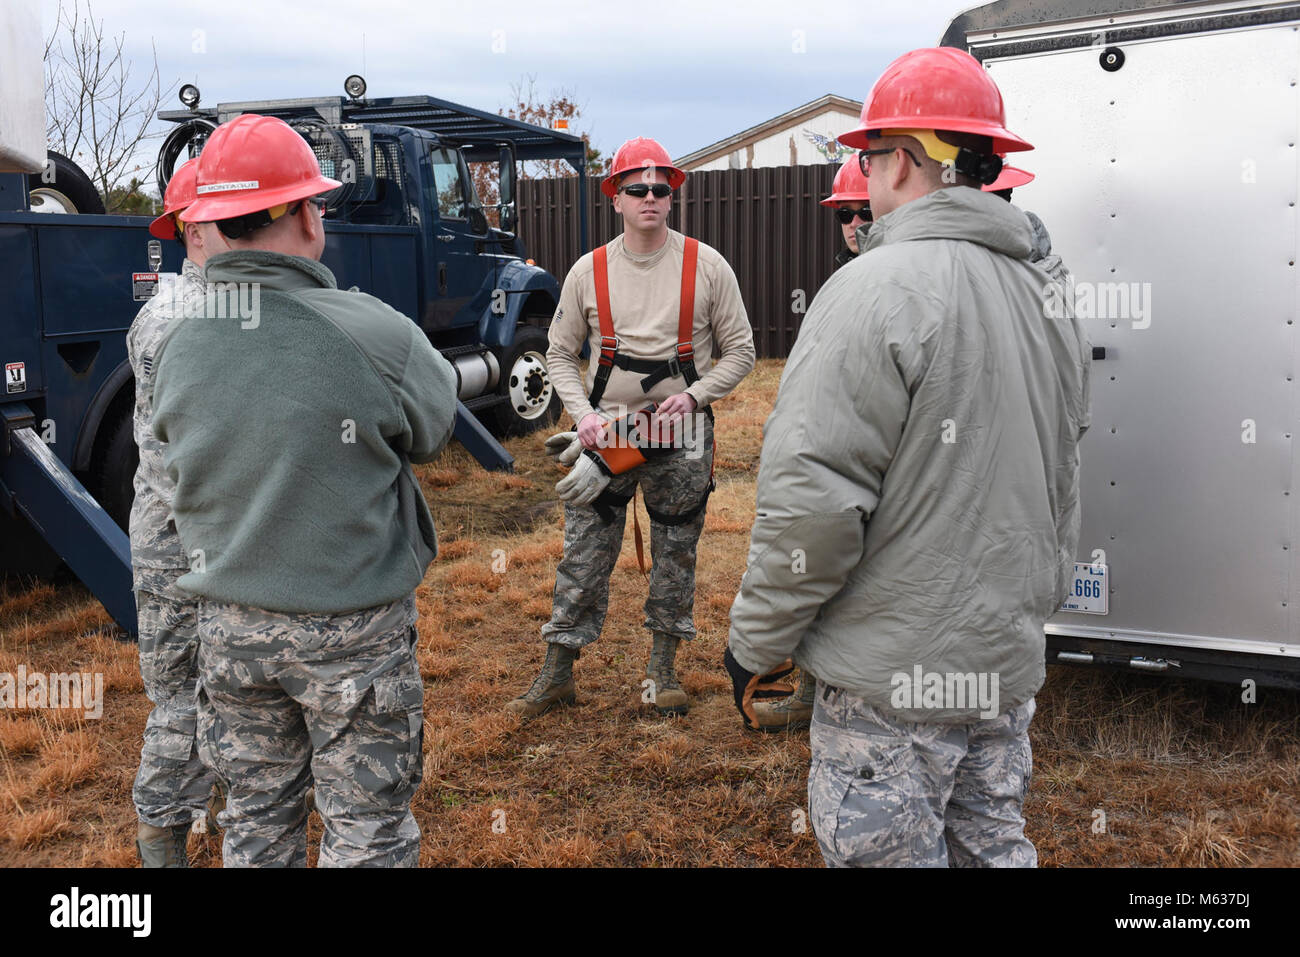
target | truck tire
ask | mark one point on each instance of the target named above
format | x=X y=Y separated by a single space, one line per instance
x=531 y=401
x=112 y=469
x=68 y=191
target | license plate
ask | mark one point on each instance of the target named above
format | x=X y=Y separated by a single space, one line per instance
x=1089 y=592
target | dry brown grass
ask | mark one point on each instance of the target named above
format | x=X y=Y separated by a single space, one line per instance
x=1184 y=773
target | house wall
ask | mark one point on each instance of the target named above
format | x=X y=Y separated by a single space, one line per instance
x=774 y=149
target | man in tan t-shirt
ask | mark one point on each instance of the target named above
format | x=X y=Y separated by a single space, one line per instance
x=644 y=363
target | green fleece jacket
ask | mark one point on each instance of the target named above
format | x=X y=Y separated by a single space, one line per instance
x=292 y=412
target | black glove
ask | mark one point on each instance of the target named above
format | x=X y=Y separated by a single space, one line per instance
x=740 y=679
x=747 y=686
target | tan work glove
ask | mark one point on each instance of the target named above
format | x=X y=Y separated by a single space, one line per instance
x=584 y=483
x=564 y=447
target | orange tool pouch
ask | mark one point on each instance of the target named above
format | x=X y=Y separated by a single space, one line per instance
x=628 y=443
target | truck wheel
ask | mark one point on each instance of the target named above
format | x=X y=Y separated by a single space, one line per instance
x=531 y=401
x=67 y=190
x=112 y=470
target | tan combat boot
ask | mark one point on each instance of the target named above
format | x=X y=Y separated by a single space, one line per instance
x=668 y=696
x=554 y=685
x=791 y=713
x=162 y=846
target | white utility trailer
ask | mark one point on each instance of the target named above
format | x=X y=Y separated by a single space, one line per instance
x=1165 y=146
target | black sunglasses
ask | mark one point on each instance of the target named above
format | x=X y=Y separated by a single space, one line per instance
x=639 y=190
x=846 y=215
x=864 y=157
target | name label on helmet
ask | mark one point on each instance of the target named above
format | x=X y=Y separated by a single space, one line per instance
x=227 y=187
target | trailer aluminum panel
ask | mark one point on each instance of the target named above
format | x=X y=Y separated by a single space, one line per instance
x=1169 y=186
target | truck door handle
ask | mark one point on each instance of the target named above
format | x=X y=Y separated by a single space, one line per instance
x=445 y=237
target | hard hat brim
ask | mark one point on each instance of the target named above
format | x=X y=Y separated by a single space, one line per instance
x=164 y=227
x=1004 y=141
x=835 y=198
x=1011 y=177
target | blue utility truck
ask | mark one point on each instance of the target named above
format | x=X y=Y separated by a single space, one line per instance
x=407 y=225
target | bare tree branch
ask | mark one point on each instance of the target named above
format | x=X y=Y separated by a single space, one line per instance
x=96 y=115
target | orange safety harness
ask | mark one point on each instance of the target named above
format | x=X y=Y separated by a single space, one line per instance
x=680 y=363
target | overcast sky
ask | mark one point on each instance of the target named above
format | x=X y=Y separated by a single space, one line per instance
x=686 y=73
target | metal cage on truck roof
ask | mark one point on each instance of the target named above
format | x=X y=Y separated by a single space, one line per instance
x=454 y=121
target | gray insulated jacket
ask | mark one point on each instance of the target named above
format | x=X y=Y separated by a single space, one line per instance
x=918 y=492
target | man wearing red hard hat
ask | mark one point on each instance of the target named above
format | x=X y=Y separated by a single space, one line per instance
x=172 y=785
x=292 y=411
x=851 y=199
x=922 y=457
x=663 y=318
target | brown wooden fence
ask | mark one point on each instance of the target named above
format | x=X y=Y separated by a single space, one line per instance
x=766 y=222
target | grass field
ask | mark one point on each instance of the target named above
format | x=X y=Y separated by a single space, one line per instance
x=1184 y=773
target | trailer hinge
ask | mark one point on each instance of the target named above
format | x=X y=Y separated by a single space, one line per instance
x=1152 y=664
x=1074 y=657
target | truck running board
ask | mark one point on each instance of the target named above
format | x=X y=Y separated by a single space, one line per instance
x=37 y=486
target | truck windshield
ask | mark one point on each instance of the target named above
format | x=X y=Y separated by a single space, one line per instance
x=453 y=192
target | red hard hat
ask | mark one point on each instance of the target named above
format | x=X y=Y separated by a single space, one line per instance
x=179 y=196
x=936 y=88
x=640 y=153
x=1010 y=178
x=253 y=163
x=849 y=184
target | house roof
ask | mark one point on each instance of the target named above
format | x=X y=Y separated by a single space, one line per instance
x=767 y=127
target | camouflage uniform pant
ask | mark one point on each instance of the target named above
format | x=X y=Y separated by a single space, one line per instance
x=172 y=785
x=286 y=701
x=671 y=485
x=888 y=793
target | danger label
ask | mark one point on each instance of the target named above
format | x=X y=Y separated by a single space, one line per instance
x=144 y=285
x=15 y=377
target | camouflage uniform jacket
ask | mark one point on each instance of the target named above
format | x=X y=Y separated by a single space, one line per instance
x=154 y=542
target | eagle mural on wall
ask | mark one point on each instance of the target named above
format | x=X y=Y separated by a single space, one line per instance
x=832 y=149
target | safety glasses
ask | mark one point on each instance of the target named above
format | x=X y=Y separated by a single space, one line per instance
x=864 y=157
x=243 y=225
x=639 y=190
x=846 y=215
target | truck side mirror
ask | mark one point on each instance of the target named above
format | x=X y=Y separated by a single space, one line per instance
x=508 y=214
x=478 y=224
